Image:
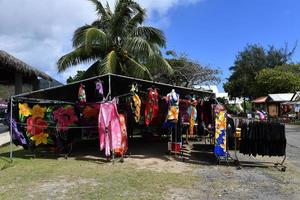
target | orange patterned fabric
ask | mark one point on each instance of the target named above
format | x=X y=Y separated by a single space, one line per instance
x=151 y=107
x=124 y=144
x=136 y=107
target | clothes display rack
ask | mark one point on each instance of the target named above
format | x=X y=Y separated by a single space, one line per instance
x=261 y=151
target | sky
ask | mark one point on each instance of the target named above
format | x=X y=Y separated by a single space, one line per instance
x=211 y=32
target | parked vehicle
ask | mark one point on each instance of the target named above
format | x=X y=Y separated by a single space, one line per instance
x=3 y=111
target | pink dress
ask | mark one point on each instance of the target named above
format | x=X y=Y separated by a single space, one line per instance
x=109 y=127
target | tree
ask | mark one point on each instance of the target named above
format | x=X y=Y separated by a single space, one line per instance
x=117 y=43
x=293 y=68
x=187 y=72
x=270 y=81
x=249 y=63
x=77 y=77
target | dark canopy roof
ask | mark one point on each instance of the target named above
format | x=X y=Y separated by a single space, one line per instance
x=119 y=86
x=10 y=63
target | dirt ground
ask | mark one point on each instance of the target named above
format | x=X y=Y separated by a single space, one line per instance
x=259 y=181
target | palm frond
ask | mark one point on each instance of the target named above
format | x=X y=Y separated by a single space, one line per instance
x=78 y=39
x=137 y=19
x=76 y=57
x=157 y=62
x=109 y=63
x=89 y=37
x=124 y=11
x=95 y=37
x=102 y=24
x=99 y=7
x=151 y=34
x=136 y=69
x=120 y=18
x=138 y=47
x=93 y=70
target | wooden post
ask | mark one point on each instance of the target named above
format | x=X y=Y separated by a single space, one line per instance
x=18 y=83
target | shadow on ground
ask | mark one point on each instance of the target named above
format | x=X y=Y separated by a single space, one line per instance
x=139 y=148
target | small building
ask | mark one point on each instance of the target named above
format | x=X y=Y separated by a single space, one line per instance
x=260 y=103
x=296 y=97
x=296 y=104
x=274 y=104
x=17 y=77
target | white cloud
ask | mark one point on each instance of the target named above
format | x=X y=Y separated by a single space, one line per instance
x=39 y=32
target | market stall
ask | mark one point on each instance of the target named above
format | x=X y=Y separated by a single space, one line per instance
x=109 y=108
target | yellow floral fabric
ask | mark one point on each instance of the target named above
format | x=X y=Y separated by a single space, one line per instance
x=136 y=107
x=220 y=135
x=24 y=110
x=40 y=139
x=38 y=111
x=173 y=113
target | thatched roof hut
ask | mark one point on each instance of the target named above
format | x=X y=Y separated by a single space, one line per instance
x=15 y=72
x=12 y=64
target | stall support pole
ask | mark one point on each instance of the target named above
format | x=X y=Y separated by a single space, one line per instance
x=109 y=87
x=109 y=97
x=10 y=131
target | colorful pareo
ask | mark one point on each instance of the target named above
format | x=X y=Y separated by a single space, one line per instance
x=151 y=107
x=136 y=107
x=109 y=127
x=37 y=124
x=192 y=116
x=220 y=135
x=124 y=144
x=41 y=122
x=99 y=88
x=65 y=118
x=81 y=94
x=173 y=111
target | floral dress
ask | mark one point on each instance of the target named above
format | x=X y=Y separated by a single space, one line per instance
x=173 y=111
x=151 y=108
x=220 y=134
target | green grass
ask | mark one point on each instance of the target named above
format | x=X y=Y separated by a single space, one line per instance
x=296 y=122
x=43 y=178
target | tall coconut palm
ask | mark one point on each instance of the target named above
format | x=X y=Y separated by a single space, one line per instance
x=118 y=43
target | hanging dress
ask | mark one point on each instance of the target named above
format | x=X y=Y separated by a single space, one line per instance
x=81 y=94
x=136 y=107
x=220 y=134
x=124 y=144
x=173 y=110
x=109 y=127
x=192 y=116
x=99 y=88
x=151 y=107
x=135 y=103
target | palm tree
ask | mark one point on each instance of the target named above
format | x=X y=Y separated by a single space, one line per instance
x=118 y=43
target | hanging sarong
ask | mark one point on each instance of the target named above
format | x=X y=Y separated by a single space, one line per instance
x=220 y=135
x=99 y=87
x=136 y=107
x=124 y=144
x=109 y=127
x=192 y=116
x=173 y=111
x=81 y=94
x=151 y=108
